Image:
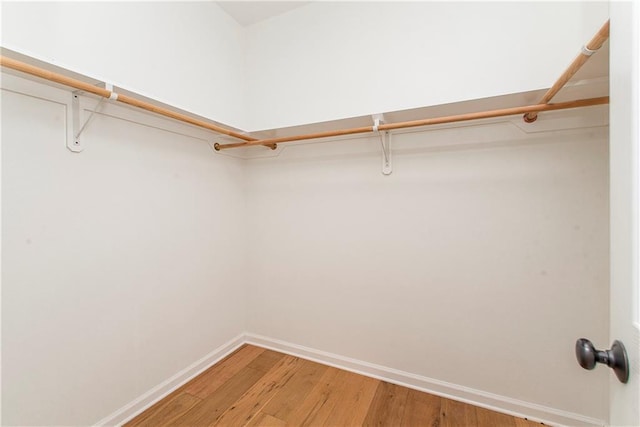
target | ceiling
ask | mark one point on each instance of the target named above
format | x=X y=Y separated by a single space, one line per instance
x=250 y=12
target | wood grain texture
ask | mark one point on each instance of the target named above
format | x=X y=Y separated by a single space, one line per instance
x=455 y=413
x=353 y=401
x=258 y=387
x=422 y=409
x=248 y=406
x=291 y=397
x=318 y=402
x=208 y=411
x=522 y=422
x=266 y=420
x=167 y=411
x=489 y=418
x=388 y=405
x=211 y=379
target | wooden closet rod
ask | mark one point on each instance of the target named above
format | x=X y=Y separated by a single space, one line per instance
x=589 y=49
x=425 y=122
x=530 y=111
x=86 y=87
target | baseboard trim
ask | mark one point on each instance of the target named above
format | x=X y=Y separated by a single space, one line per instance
x=494 y=402
x=157 y=393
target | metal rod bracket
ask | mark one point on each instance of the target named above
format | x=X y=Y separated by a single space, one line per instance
x=530 y=117
x=586 y=51
x=385 y=139
x=74 y=141
x=385 y=143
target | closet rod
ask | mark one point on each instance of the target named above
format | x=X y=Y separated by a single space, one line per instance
x=589 y=49
x=425 y=122
x=86 y=87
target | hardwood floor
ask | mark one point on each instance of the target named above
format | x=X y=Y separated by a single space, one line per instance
x=258 y=387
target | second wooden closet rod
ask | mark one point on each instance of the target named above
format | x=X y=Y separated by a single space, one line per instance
x=530 y=111
x=425 y=122
x=589 y=49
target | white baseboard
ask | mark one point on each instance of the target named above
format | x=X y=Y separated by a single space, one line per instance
x=143 y=402
x=494 y=402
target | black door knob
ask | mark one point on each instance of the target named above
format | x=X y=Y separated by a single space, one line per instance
x=616 y=358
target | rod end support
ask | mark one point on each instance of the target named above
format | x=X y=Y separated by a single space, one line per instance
x=273 y=146
x=530 y=117
x=216 y=146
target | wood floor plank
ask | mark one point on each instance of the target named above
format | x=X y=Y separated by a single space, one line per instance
x=289 y=398
x=166 y=412
x=210 y=380
x=353 y=401
x=266 y=420
x=422 y=409
x=266 y=360
x=208 y=411
x=388 y=405
x=487 y=418
x=333 y=399
x=259 y=387
x=252 y=402
x=455 y=414
x=317 y=401
x=521 y=422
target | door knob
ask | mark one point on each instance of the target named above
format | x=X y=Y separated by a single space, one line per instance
x=616 y=358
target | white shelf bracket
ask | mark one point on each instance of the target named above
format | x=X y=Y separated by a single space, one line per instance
x=74 y=141
x=385 y=144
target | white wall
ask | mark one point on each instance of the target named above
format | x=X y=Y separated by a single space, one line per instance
x=331 y=60
x=186 y=54
x=489 y=248
x=478 y=265
x=121 y=264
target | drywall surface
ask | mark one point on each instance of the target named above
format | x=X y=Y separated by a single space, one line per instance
x=186 y=54
x=331 y=60
x=479 y=261
x=121 y=264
